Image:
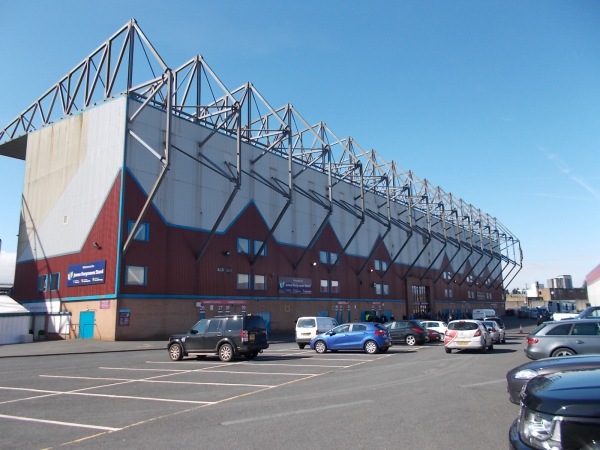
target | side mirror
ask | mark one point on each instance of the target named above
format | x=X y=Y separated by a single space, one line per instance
x=193 y=331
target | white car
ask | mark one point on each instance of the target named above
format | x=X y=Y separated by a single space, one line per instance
x=495 y=331
x=436 y=325
x=467 y=334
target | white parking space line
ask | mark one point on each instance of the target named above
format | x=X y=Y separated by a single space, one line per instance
x=291 y=413
x=89 y=394
x=261 y=374
x=297 y=365
x=55 y=422
x=131 y=397
x=146 y=380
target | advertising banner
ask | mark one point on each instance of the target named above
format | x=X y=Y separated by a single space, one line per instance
x=291 y=285
x=87 y=273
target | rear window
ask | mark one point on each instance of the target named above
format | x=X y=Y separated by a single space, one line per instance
x=234 y=324
x=254 y=323
x=306 y=323
x=463 y=326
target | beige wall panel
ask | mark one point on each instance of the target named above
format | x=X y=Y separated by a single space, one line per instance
x=70 y=168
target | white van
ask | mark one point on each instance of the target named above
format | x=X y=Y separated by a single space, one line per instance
x=308 y=327
x=482 y=314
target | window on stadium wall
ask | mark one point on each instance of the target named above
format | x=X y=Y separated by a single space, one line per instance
x=420 y=297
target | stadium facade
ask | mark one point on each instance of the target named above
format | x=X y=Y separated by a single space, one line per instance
x=150 y=201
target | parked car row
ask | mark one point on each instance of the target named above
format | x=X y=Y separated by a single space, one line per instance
x=246 y=335
x=559 y=391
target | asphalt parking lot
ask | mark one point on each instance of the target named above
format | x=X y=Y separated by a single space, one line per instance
x=103 y=398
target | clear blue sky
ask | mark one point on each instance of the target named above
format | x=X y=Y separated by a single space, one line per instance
x=497 y=102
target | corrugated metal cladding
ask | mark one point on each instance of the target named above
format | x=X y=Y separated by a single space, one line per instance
x=189 y=270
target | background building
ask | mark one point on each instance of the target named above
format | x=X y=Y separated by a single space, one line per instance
x=175 y=198
x=561 y=282
x=592 y=281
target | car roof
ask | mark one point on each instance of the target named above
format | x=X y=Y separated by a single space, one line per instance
x=587 y=320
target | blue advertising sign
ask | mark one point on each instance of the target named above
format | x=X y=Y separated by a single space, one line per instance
x=84 y=274
x=291 y=285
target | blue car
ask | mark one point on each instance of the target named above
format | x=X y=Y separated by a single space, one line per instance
x=367 y=336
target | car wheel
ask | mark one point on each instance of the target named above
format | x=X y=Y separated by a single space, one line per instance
x=301 y=346
x=175 y=352
x=320 y=347
x=251 y=355
x=371 y=347
x=563 y=352
x=226 y=352
x=448 y=350
x=410 y=340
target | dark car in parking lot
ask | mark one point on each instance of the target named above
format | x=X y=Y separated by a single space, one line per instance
x=226 y=336
x=520 y=375
x=564 y=338
x=433 y=336
x=409 y=332
x=559 y=411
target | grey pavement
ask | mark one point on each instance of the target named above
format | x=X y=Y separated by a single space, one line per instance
x=515 y=329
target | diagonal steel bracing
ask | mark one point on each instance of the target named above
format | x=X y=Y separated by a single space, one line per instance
x=128 y=64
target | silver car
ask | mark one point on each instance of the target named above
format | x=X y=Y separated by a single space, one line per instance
x=495 y=331
x=564 y=338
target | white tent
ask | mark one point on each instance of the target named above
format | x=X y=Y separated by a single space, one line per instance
x=15 y=321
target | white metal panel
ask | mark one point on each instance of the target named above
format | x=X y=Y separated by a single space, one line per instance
x=70 y=168
x=14 y=329
x=194 y=195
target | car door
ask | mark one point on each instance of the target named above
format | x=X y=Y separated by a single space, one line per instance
x=213 y=334
x=338 y=340
x=398 y=331
x=356 y=336
x=585 y=337
x=195 y=337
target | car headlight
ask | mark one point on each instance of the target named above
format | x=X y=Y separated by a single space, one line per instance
x=525 y=374
x=540 y=430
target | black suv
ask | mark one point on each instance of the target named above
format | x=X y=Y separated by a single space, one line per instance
x=559 y=410
x=226 y=336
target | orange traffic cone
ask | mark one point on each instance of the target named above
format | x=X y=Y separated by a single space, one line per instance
x=520 y=329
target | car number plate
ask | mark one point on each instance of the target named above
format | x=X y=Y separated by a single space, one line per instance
x=305 y=334
x=463 y=343
x=251 y=337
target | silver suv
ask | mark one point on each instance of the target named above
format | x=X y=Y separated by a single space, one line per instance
x=226 y=336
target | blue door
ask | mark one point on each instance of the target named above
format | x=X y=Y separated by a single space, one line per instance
x=86 y=324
